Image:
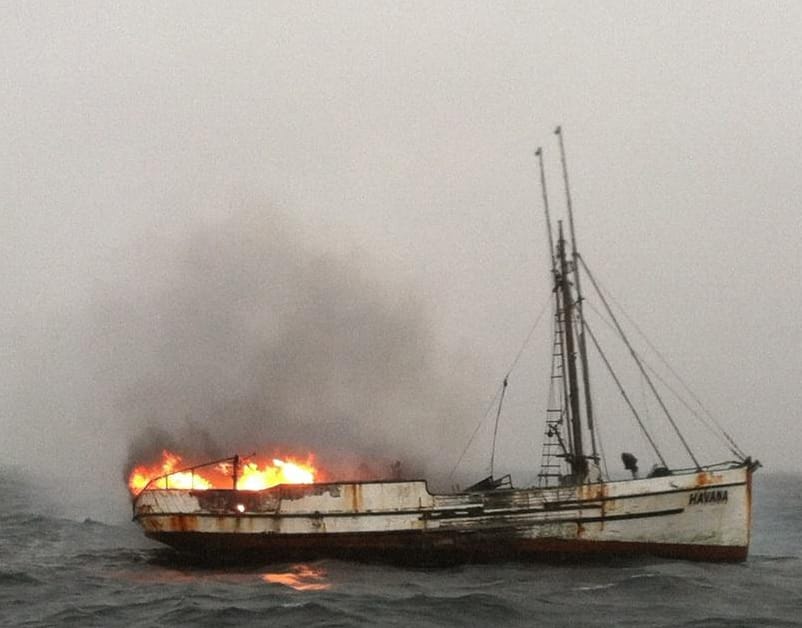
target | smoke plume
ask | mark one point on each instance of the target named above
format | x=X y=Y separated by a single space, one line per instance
x=246 y=339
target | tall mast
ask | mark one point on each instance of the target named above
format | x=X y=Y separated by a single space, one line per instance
x=555 y=278
x=583 y=354
x=578 y=462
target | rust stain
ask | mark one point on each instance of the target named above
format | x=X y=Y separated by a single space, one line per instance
x=604 y=504
x=183 y=523
x=356 y=497
x=703 y=478
x=591 y=491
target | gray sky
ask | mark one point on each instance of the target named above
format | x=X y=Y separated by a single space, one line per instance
x=202 y=203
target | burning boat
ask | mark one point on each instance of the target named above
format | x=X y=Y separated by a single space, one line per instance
x=284 y=511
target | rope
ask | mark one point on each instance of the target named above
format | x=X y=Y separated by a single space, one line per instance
x=624 y=393
x=705 y=421
x=500 y=389
x=495 y=429
x=640 y=366
x=733 y=445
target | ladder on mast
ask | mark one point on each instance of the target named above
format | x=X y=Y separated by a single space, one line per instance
x=553 y=465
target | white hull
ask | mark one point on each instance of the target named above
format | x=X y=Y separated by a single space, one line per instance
x=700 y=515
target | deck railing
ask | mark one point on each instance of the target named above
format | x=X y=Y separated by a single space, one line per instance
x=234 y=460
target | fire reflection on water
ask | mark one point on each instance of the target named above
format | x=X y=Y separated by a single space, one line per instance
x=300 y=578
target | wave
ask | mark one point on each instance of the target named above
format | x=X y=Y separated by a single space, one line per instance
x=219 y=613
x=740 y=621
x=461 y=609
x=17 y=578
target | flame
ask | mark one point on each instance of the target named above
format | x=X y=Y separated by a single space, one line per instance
x=252 y=475
x=255 y=478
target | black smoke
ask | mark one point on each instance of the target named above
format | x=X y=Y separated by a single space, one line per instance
x=245 y=338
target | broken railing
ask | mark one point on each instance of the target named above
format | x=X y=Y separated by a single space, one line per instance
x=163 y=481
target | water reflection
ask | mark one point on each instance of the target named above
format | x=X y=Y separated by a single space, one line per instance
x=300 y=578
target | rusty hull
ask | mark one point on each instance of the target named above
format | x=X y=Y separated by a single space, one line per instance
x=697 y=515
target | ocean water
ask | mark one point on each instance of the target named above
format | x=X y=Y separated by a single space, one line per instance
x=60 y=571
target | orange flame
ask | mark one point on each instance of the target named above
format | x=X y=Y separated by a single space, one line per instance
x=254 y=478
x=251 y=476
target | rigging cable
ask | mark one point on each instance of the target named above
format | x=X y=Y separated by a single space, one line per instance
x=602 y=453
x=733 y=445
x=624 y=393
x=495 y=429
x=500 y=390
x=710 y=428
x=730 y=443
x=640 y=366
x=716 y=428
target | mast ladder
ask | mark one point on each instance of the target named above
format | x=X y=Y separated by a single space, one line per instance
x=552 y=456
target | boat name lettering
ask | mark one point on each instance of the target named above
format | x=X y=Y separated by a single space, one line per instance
x=708 y=497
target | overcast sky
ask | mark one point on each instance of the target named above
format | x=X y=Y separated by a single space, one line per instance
x=330 y=213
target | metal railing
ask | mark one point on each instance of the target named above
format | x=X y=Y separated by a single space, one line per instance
x=234 y=460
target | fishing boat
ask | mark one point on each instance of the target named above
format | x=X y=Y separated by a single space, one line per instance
x=701 y=511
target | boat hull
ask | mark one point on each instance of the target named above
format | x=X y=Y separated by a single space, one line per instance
x=418 y=549
x=699 y=516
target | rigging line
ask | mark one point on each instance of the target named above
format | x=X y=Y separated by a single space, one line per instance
x=624 y=392
x=495 y=429
x=596 y=436
x=640 y=366
x=694 y=412
x=645 y=401
x=475 y=430
x=602 y=453
x=500 y=389
x=528 y=338
x=732 y=445
x=602 y=461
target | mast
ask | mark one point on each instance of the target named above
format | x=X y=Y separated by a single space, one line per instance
x=583 y=354
x=539 y=153
x=577 y=458
x=557 y=296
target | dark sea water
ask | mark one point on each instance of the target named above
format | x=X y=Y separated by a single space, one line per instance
x=59 y=571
